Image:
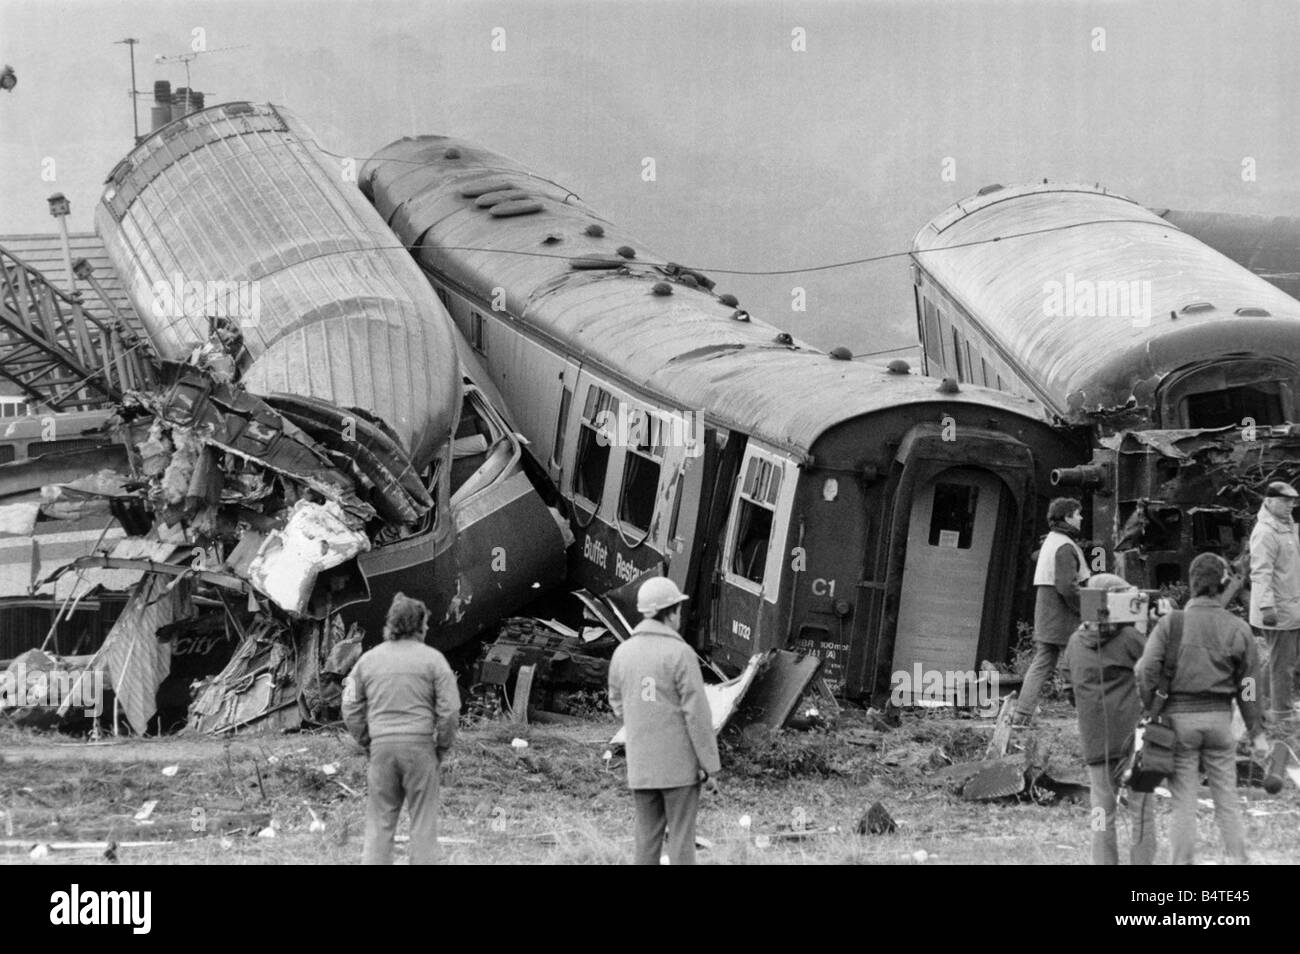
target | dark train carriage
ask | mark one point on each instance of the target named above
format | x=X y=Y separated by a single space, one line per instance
x=1102 y=310
x=833 y=506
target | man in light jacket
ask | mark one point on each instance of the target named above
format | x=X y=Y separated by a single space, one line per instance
x=1060 y=571
x=656 y=687
x=1275 y=594
x=401 y=703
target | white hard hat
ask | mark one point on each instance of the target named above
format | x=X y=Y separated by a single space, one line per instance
x=658 y=593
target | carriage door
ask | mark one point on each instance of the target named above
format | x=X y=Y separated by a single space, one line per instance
x=950 y=549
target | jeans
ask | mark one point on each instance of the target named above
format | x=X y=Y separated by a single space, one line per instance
x=1205 y=738
x=409 y=771
x=1142 y=809
x=673 y=809
x=1040 y=670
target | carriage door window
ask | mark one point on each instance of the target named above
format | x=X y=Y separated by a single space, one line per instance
x=599 y=418
x=566 y=397
x=757 y=503
x=952 y=515
x=933 y=345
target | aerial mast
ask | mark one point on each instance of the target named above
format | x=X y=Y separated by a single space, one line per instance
x=135 y=114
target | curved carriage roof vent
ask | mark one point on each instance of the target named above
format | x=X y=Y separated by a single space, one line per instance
x=587 y=263
x=451 y=153
x=690 y=281
x=988 y=189
x=1253 y=313
x=627 y=251
x=489 y=199
x=948 y=386
x=1195 y=307
x=594 y=230
x=784 y=338
x=662 y=288
x=552 y=239
x=740 y=315
x=841 y=354
x=899 y=366
x=513 y=207
x=730 y=300
x=472 y=190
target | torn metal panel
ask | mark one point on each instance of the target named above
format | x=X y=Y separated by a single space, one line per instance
x=133 y=659
x=780 y=683
x=315 y=537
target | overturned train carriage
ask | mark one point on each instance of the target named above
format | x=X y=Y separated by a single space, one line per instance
x=1179 y=365
x=836 y=507
x=235 y=218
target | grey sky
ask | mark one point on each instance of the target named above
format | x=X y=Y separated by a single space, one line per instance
x=766 y=157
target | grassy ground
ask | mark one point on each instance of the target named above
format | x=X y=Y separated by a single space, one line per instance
x=557 y=802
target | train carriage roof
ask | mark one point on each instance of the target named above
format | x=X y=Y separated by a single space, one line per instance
x=575 y=288
x=1002 y=253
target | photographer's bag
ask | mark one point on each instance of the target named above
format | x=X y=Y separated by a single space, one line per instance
x=1154 y=761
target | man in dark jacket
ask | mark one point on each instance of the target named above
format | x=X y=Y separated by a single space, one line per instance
x=655 y=685
x=1101 y=660
x=1216 y=663
x=1058 y=574
x=401 y=703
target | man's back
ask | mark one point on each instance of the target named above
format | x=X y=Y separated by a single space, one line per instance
x=406 y=692
x=655 y=684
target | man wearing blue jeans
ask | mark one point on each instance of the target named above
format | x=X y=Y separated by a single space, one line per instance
x=401 y=703
x=1216 y=663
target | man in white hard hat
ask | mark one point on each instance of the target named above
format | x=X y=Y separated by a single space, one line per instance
x=1275 y=594
x=656 y=687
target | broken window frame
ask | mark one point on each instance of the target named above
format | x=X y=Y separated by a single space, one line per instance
x=649 y=451
x=759 y=490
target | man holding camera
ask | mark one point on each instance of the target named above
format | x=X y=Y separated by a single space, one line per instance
x=1216 y=663
x=1101 y=658
x=1275 y=594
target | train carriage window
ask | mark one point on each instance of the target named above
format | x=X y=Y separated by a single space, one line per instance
x=971 y=366
x=952 y=515
x=477 y=338
x=594 y=437
x=566 y=397
x=636 y=505
x=958 y=367
x=443 y=297
x=757 y=502
x=988 y=374
x=7 y=453
x=933 y=347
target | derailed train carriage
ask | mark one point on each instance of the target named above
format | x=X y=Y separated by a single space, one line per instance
x=1179 y=365
x=844 y=508
x=233 y=225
